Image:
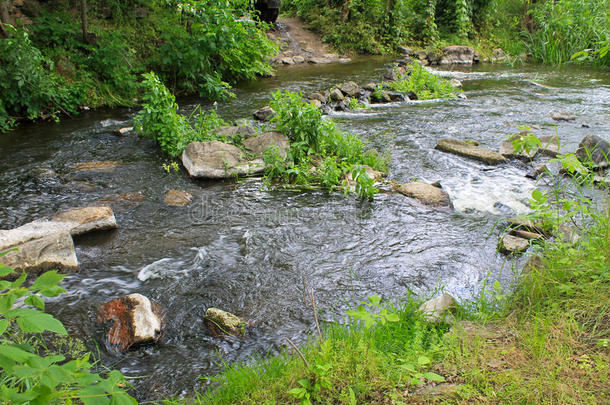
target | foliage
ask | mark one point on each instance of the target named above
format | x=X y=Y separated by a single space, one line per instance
x=316 y=138
x=566 y=27
x=28 y=86
x=423 y=82
x=29 y=377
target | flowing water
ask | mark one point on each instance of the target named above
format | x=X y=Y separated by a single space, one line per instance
x=250 y=251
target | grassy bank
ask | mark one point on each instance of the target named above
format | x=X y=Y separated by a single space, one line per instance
x=549 y=31
x=548 y=341
x=52 y=66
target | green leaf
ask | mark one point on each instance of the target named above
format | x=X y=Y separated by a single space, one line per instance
x=430 y=376
x=537 y=195
x=38 y=322
x=5 y=271
x=122 y=398
x=48 y=279
x=14 y=353
x=35 y=301
x=17 y=283
x=423 y=360
x=3 y=326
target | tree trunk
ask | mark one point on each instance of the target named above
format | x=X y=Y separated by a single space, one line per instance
x=4 y=17
x=83 y=16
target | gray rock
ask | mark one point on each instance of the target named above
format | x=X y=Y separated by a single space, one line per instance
x=595 y=150
x=287 y=60
x=390 y=75
x=370 y=87
x=537 y=171
x=524 y=224
x=316 y=60
x=336 y=95
x=513 y=244
x=549 y=145
x=123 y=131
x=426 y=193
x=264 y=114
x=217 y=160
x=258 y=144
x=405 y=50
x=462 y=148
x=520 y=233
x=298 y=59
x=439 y=308
x=232 y=131
x=456 y=55
x=563 y=116
x=316 y=103
x=318 y=96
x=220 y=322
x=350 y=89
x=54 y=251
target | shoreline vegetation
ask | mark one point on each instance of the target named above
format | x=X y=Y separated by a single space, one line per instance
x=58 y=60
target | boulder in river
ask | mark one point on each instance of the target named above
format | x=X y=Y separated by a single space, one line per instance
x=222 y=322
x=439 y=308
x=336 y=95
x=235 y=131
x=123 y=131
x=513 y=244
x=264 y=114
x=136 y=320
x=42 y=253
x=88 y=219
x=462 y=148
x=457 y=55
x=426 y=193
x=177 y=198
x=549 y=145
x=349 y=89
x=45 y=244
x=259 y=144
x=218 y=160
x=595 y=150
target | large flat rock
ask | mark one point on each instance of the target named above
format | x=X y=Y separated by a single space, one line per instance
x=44 y=244
x=217 y=160
x=465 y=149
x=47 y=252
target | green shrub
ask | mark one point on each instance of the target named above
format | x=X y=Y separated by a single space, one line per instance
x=28 y=86
x=29 y=377
x=425 y=84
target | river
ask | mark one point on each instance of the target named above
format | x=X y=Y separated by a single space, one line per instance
x=250 y=251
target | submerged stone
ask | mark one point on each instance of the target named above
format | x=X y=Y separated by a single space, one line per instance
x=177 y=198
x=97 y=166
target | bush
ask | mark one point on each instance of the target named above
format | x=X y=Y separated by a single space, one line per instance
x=29 y=377
x=28 y=86
x=424 y=83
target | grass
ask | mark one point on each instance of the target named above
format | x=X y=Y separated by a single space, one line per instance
x=424 y=83
x=547 y=342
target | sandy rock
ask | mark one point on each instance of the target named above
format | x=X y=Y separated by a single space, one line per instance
x=524 y=224
x=136 y=320
x=287 y=61
x=462 y=148
x=563 y=116
x=258 y=144
x=537 y=171
x=217 y=160
x=54 y=251
x=318 y=60
x=513 y=244
x=177 y=198
x=350 y=89
x=426 y=193
x=98 y=166
x=298 y=59
x=318 y=96
x=222 y=322
x=263 y=114
x=316 y=103
x=457 y=55
x=594 y=149
x=438 y=308
x=370 y=87
x=87 y=219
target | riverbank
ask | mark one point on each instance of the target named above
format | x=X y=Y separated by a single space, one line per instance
x=546 y=342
